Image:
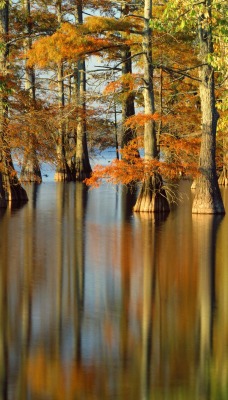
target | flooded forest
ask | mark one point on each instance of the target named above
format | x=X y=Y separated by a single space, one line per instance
x=113 y=200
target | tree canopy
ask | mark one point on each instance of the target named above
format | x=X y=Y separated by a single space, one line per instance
x=76 y=74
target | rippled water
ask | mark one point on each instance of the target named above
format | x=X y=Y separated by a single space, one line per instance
x=99 y=303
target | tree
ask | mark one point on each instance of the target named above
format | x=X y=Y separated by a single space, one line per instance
x=207 y=18
x=82 y=164
x=63 y=172
x=207 y=198
x=152 y=197
x=128 y=107
x=30 y=169
x=10 y=188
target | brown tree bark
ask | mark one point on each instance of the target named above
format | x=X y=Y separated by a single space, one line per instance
x=82 y=164
x=30 y=171
x=207 y=198
x=10 y=188
x=63 y=172
x=152 y=197
x=128 y=106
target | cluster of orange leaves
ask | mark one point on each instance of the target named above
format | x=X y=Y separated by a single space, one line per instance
x=128 y=81
x=72 y=42
x=140 y=119
x=132 y=168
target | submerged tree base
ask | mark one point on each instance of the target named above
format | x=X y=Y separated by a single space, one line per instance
x=82 y=175
x=223 y=178
x=208 y=199
x=83 y=169
x=152 y=197
x=31 y=176
x=63 y=175
x=17 y=194
x=10 y=187
x=14 y=194
x=30 y=171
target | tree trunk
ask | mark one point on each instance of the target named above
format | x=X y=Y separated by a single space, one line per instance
x=10 y=188
x=152 y=198
x=63 y=172
x=208 y=198
x=82 y=165
x=128 y=106
x=31 y=169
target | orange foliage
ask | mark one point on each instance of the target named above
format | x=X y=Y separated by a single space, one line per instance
x=72 y=42
x=141 y=119
x=131 y=168
x=97 y=24
x=128 y=81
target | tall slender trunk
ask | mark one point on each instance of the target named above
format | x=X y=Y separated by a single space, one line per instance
x=208 y=198
x=128 y=106
x=82 y=164
x=10 y=188
x=30 y=170
x=63 y=172
x=152 y=197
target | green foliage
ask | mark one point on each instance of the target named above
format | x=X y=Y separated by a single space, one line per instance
x=2 y=4
x=185 y=17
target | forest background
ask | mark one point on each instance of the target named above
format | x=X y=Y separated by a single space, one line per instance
x=149 y=78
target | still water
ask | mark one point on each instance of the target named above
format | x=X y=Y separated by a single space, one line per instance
x=98 y=303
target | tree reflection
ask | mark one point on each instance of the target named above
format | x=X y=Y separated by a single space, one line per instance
x=140 y=312
x=79 y=264
x=4 y=323
x=128 y=198
x=150 y=238
x=205 y=229
x=27 y=274
x=47 y=370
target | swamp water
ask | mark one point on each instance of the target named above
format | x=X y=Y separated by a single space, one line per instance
x=99 y=303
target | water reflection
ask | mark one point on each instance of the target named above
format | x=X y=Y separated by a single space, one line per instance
x=150 y=300
x=98 y=303
x=205 y=232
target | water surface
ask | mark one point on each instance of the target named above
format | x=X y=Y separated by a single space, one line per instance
x=99 y=303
